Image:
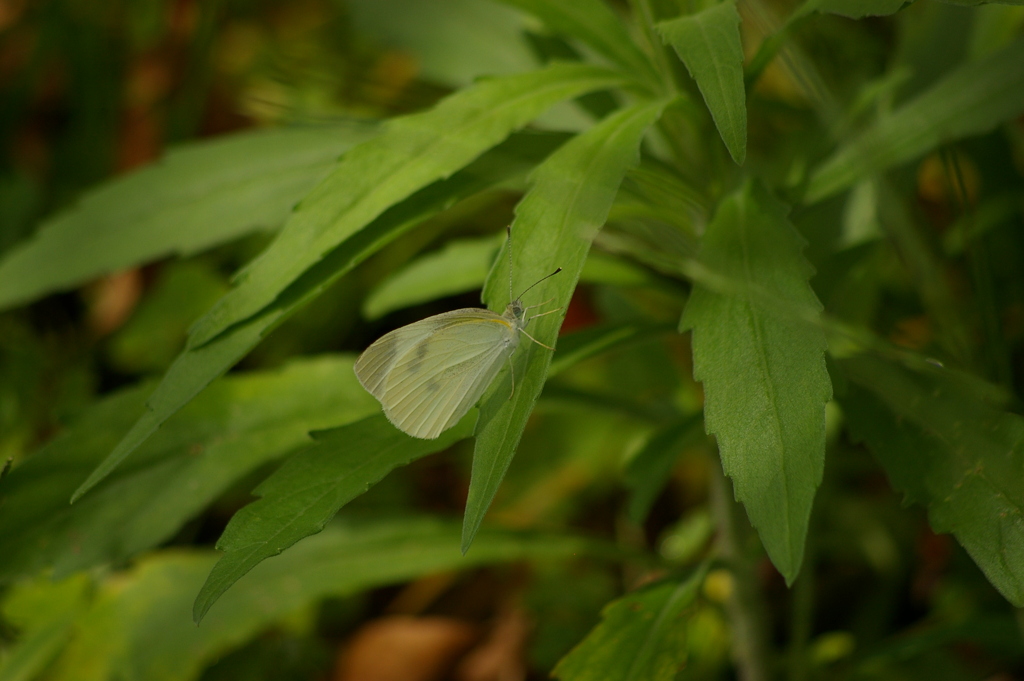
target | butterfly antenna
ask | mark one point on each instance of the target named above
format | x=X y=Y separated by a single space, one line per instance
x=508 y=247
x=537 y=282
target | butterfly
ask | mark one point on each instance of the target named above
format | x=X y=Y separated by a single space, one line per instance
x=428 y=374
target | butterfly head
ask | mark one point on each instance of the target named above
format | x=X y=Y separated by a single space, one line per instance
x=516 y=313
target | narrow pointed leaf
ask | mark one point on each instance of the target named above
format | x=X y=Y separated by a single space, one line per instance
x=567 y=203
x=945 y=448
x=971 y=100
x=195 y=368
x=410 y=153
x=305 y=493
x=641 y=637
x=200 y=195
x=597 y=25
x=765 y=382
x=709 y=44
x=241 y=423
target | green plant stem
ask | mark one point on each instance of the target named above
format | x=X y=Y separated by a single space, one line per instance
x=802 y=618
x=745 y=606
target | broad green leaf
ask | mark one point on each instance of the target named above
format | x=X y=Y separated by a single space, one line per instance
x=947 y=449
x=567 y=203
x=303 y=495
x=971 y=100
x=650 y=469
x=200 y=195
x=140 y=627
x=597 y=25
x=642 y=636
x=196 y=367
x=709 y=44
x=580 y=345
x=410 y=153
x=241 y=423
x=763 y=370
x=462 y=266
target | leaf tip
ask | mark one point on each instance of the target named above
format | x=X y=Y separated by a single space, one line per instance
x=89 y=483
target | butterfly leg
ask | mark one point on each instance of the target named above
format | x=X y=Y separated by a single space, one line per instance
x=557 y=309
x=535 y=340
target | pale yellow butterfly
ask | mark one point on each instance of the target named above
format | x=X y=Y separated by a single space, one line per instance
x=428 y=374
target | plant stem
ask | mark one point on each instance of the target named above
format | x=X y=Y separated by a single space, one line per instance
x=746 y=608
x=802 y=618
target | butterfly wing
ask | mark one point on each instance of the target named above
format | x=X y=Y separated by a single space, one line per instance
x=428 y=374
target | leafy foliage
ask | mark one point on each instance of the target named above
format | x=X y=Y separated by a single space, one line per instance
x=238 y=425
x=141 y=628
x=971 y=100
x=195 y=368
x=864 y=210
x=305 y=493
x=409 y=154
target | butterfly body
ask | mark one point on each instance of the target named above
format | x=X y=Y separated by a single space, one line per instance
x=428 y=374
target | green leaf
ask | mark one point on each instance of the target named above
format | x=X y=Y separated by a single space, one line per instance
x=462 y=266
x=304 y=494
x=590 y=342
x=709 y=44
x=947 y=449
x=195 y=368
x=568 y=201
x=650 y=469
x=241 y=423
x=200 y=195
x=971 y=100
x=642 y=636
x=140 y=627
x=459 y=267
x=763 y=369
x=410 y=153
x=593 y=22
